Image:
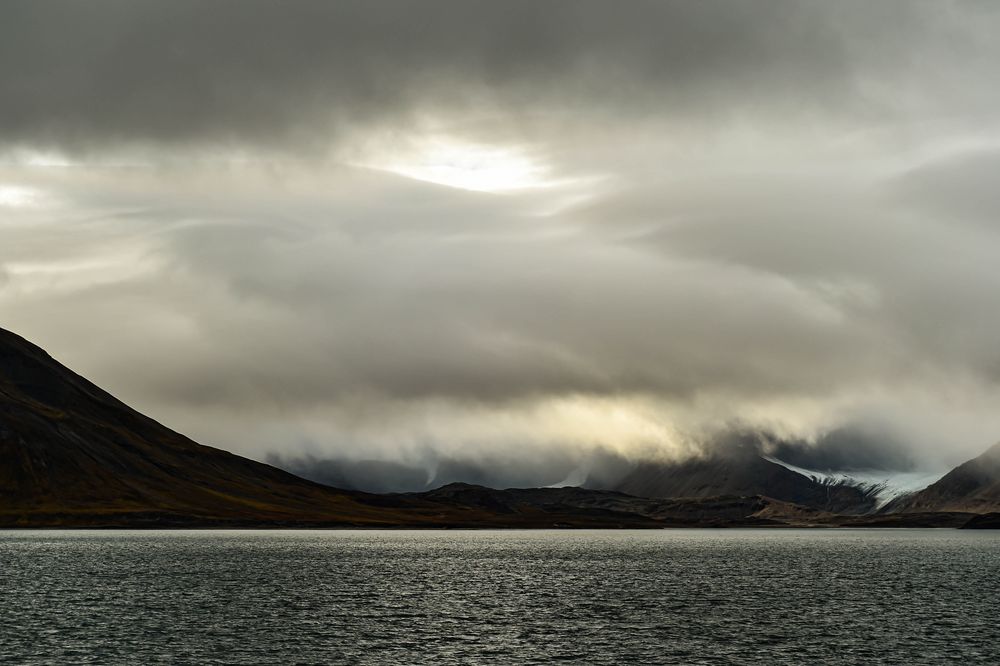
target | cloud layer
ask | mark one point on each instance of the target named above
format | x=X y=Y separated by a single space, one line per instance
x=249 y=219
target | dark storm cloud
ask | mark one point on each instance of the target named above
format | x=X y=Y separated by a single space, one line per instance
x=851 y=448
x=77 y=75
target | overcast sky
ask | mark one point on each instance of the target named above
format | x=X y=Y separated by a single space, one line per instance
x=511 y=231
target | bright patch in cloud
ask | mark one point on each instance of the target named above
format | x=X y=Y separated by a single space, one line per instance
x=467 y=166
x=18 y=196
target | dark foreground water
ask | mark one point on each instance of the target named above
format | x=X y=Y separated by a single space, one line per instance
x=493 y=597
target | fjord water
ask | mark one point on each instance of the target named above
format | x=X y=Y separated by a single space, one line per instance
x=459 y=597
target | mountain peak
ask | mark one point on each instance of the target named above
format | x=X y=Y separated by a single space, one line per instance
x=74 y=453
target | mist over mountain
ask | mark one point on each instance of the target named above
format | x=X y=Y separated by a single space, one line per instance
x=846 y=449
x=600 y=470
x=76 y=456
x=843 y=450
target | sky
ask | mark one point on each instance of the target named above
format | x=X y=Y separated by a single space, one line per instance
x=522 y=237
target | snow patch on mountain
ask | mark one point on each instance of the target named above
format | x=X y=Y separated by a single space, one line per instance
x=882 y=485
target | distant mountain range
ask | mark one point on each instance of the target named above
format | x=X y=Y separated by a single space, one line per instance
x=73 y=455
x=742 y=470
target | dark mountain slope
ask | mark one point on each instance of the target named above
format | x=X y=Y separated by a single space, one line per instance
x=984 y=521
x=972 y=487
x=72 y=453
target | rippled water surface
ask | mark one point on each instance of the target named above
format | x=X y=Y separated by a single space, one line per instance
x=488 y=597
